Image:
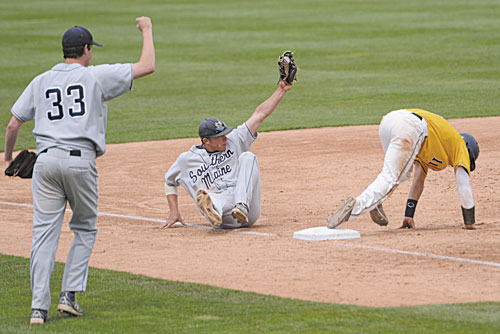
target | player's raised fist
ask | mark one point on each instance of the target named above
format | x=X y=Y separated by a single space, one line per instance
x=143 y=23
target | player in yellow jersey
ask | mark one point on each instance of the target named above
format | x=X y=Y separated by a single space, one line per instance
x=426 y=140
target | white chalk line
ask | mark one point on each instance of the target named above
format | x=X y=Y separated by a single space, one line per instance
x=105 y=214
x=379 y=249
x=434 y=256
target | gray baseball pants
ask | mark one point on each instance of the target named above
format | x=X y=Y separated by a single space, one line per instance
x=59 y=177
x=247 y=191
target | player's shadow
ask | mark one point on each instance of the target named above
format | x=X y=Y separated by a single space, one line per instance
x=420 y=229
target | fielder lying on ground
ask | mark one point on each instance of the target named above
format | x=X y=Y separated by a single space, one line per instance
x=221 y=174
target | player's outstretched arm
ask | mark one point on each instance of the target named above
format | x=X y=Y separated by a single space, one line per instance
x=267 y=107
x=146 y=64
x=10 y=138
x=174 y=215
x=416 y=189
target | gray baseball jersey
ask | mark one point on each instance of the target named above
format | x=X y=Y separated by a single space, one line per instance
x=215 y=171
x=67 y=104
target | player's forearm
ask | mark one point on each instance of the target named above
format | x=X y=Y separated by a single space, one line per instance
x=11 y=137
x=417 y=186
x=464 y=188
x=268 y=106
x=416 y=189
x=265 y=109
x=466 y=198
x=173 y=203
x=146 y=64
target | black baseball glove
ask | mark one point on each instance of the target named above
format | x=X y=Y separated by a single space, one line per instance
x=22 y=165
x=287 y=67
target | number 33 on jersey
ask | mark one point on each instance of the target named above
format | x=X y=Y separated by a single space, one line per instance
x=74 y=113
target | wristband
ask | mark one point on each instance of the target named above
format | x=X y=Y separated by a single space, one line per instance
x=170 y=190
x=411 y=204
x=469 y=216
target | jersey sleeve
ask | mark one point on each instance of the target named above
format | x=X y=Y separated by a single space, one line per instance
x=422 y=165
x=173 y=175
x=114 y=80
x=461 y=156
x=243 y=136
x=24 y=108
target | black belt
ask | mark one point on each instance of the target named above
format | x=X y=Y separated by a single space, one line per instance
x=419 y=117
x=74 y=153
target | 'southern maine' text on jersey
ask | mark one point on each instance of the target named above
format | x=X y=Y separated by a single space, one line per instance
x=214 y=171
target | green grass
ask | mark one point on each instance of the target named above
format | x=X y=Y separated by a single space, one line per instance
x=359 y=59
x=123 y=303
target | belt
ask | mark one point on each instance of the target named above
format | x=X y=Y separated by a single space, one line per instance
x=419 y=117
x=74 y=153
x=58 y=152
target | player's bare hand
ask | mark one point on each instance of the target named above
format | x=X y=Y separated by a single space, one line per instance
x=286 y=87
x=173 y=218
x=7 y=163
x=143 y=23
x=408 y=223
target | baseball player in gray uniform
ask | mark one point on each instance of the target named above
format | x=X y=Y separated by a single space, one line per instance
x=220 y=174
x=67 y=104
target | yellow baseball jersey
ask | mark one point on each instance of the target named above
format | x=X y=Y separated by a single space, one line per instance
x=443 y=146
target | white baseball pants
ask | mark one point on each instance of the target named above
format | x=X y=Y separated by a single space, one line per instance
x=401 y=135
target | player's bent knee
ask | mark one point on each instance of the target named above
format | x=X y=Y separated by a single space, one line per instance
x=247 y=155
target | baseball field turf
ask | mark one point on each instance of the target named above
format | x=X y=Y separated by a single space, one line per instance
x=358 y=60
x=122 y=303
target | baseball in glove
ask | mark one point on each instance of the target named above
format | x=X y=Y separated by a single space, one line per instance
x=287 y=67
x=22 y=165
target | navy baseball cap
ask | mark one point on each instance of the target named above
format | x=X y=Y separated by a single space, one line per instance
x=213 y=127
x=78 y=36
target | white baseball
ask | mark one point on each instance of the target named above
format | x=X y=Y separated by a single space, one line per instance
x=177 y=224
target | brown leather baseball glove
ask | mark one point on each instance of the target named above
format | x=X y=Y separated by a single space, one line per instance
x=22 y=165
x=287 y=67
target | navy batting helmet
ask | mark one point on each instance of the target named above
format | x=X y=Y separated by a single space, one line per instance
x=472 y=147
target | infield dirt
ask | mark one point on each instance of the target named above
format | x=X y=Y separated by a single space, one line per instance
x=306 y=175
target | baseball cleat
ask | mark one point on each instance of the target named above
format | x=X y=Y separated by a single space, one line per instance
x=68 y=304
x=207 y=207
x=342 y=214
x=240 y=213
x=38 y=317
x=378 y=215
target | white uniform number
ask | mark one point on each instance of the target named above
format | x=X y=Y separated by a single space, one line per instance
x=75 y=93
